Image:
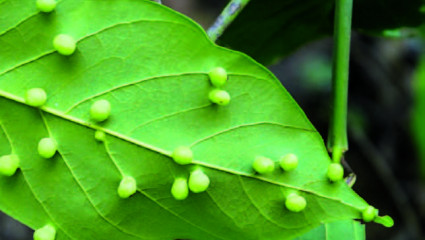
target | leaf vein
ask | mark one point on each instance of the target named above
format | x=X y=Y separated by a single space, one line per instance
x=176 y=214
x=245 y=125
x=85 y=191
x=31 y=189
x=264 y=215
x=107 y=149
x=45 y=54
x=160 y=150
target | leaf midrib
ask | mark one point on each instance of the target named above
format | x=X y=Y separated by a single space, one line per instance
x=165 y=152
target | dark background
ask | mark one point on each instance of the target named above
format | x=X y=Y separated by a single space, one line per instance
x=382 y=153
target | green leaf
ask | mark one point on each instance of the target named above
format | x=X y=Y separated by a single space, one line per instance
x=347 y=229
x=269 y=30
x=151 y=64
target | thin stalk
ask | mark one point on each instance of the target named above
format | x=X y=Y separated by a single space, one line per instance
x=229 y=13
x=337 y=140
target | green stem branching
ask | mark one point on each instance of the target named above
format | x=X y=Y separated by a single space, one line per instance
x=229 y=13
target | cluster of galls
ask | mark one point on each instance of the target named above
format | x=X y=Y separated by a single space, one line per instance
x=197 y=182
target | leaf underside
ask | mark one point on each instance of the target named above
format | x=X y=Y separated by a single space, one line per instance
x=151 y=64
x=346 y=229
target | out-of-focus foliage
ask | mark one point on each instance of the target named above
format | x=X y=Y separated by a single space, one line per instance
x=269 y=29
x=418 y=117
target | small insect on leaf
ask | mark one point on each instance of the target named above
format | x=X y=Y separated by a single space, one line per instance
x=47 y=232
x=127 y=187
x=295 y=203
x=47 y=147
x=100 y=135
x=179 y=189
x=218 y=76
x=46 y=5
x=182 y=155
x=35 y=97
x=289 y=162
x=9 y=164
x=263 y=165
x=100 y=110
x=198 y=181
x=369 y=214
x=219 y=97
x=335 y=172
x=64 y=44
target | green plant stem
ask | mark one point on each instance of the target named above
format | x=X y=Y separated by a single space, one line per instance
x=229 y=13
x=337 y=140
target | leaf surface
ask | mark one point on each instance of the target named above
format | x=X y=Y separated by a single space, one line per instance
x=347 y=229
x=152 y=65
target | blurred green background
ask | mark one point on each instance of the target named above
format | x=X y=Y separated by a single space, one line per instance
x=386 y=117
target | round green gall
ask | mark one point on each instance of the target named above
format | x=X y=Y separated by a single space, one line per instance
x=179 y=189
x=218 y=76
x=219 y=97
x=47 y=232
x=198 y=181
x=64 y=44
x=369 y=214
x=335 y=172
x=47 y=147
x=46 y=5
x=127 y=187
x=9 y=164
x=295 y=203
x=100 y=135
x=288 y=162
x=100 y=110
x=35 y=97
x=263 y=165
x=182 y=155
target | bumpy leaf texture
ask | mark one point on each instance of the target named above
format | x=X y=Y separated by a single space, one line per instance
x=152 y=65
x=270 y=29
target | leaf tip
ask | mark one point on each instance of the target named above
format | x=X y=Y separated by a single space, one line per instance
x=386 y=221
